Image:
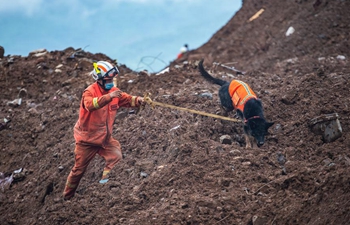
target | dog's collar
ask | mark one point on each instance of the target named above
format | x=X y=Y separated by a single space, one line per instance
x=253 y=117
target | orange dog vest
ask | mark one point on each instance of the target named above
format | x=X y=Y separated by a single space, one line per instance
x=240 y=92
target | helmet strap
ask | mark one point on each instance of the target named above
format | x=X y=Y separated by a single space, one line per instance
x=103 y=84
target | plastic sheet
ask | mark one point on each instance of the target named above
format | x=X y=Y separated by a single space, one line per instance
x=5 y=181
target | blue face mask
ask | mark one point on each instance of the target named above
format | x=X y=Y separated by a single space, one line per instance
x=108 y=86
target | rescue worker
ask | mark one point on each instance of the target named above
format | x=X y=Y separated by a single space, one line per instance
x=93 y=130
x=183 y=51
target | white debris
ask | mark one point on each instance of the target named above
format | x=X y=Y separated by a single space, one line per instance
x=174 y=128
x=290 y=31
x=41 y=50
x=15 y=102
x=166 y=70
x=292 y=60
x=5 y=182
x=341 y=57
x=59 y=66
x=40 y=54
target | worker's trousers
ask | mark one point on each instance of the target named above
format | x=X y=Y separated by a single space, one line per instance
x=111 y=152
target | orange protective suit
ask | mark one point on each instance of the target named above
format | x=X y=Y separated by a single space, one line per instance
x=93 y=133
x=240 y=92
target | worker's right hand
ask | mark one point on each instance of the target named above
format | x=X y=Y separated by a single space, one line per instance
x=116 y=94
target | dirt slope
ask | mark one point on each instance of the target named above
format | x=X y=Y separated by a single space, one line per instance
x=191 y=177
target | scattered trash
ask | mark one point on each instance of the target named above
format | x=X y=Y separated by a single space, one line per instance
x=341 y=57
x=18 y=171
x=290 y=31
x=256 y=15
x=166 y=70
x=206 y=95
x=328 y=126
x=15 y=102
x=174 y=128
x=178 y=66
x=4 y=124
x=143 y=174
x=41 y=50
x=230 y=68
x=40 y=54
x=19 y=175
x=22 y=93
x=5 y=181
x=292 y=60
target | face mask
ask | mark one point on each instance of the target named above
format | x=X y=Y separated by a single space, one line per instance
x=108 y=86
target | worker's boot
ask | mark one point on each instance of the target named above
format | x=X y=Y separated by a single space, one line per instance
x=105 y=177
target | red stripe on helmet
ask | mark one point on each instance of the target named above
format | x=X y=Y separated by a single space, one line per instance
x=103 y=68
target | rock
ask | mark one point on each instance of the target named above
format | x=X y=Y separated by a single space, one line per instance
x=225 y=139
x=235 y=152
x=2 y=52
x=328 y=126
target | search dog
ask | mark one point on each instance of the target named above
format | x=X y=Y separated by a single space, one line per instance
x=238 y=96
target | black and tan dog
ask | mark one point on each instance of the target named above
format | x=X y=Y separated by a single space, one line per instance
x=237 y=95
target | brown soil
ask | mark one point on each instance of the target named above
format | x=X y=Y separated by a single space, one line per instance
x=191 y=177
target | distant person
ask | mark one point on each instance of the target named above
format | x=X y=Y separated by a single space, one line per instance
x=93 y=130
x=183 y=51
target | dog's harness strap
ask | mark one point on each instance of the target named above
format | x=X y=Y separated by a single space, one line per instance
x=246 y=98
x=253 y=117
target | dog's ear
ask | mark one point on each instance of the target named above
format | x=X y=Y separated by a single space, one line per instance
x=268 y=125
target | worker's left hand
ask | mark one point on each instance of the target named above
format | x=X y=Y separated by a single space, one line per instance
x=141 y=101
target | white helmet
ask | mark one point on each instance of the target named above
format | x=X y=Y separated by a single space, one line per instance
x=103 y=69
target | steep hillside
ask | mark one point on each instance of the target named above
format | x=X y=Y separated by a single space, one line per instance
x=320 y=26
x=175 y=170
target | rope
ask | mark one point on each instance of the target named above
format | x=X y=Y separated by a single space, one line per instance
x=149 y=101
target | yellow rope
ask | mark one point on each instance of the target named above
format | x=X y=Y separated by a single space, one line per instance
x=149 y=101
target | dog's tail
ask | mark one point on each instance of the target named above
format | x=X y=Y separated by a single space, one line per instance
x=207 y=76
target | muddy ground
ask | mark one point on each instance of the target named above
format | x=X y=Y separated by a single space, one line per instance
x=175 y=169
